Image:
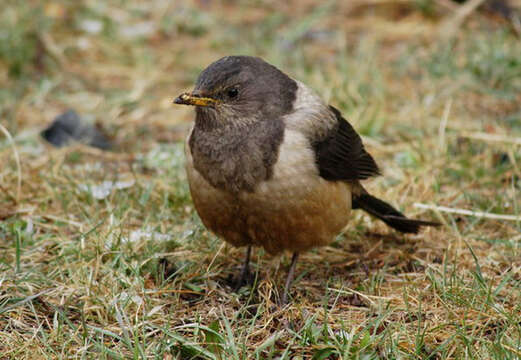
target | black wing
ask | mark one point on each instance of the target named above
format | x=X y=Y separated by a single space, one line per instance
x=342 y=156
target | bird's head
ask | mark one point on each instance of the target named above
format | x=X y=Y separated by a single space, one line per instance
x=240 y=90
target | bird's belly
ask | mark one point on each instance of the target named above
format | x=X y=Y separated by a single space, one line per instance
x=294 y=210
x=296 y=215
x=277 y=217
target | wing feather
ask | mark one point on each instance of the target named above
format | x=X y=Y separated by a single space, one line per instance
x=341 y=155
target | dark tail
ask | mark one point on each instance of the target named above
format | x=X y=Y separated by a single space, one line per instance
x=388 y=214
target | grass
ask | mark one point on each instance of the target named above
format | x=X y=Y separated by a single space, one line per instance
x=136 y=275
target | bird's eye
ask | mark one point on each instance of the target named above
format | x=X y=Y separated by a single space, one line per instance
x=232 y=93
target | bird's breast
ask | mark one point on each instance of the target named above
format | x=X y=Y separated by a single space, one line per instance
x=236 y=158
x=294 y=173
x=295 y=209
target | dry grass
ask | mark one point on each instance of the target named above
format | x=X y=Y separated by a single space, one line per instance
x=136 y=275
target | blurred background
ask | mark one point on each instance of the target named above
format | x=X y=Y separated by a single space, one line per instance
x=94 y=203
x=121 y=63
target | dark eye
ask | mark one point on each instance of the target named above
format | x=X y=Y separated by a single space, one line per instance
x=232 y=93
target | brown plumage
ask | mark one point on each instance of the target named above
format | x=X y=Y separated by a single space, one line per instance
x=270 y=164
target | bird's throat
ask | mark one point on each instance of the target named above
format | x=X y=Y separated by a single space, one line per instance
x=235 y=158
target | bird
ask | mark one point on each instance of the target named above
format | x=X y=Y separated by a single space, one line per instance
x=270 y=164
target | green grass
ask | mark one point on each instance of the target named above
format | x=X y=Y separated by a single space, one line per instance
x=136 y=274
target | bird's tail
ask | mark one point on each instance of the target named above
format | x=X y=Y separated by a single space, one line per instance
x=388 y=214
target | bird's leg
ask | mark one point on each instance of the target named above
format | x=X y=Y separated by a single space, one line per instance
x=289 y=279
x=245 y=271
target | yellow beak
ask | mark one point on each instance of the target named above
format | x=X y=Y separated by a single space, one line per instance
x=194 y=99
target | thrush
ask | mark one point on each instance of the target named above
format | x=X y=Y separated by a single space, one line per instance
x=270 y=164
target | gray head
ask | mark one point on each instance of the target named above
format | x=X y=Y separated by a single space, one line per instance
x=240 y=90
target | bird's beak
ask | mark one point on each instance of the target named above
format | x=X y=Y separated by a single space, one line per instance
x=194 y=99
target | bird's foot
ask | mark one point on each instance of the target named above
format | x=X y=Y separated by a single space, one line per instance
x=284 y=299
x=289 y=280
x=245 y=278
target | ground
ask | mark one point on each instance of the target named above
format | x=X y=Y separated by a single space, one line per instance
x=435 y=90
